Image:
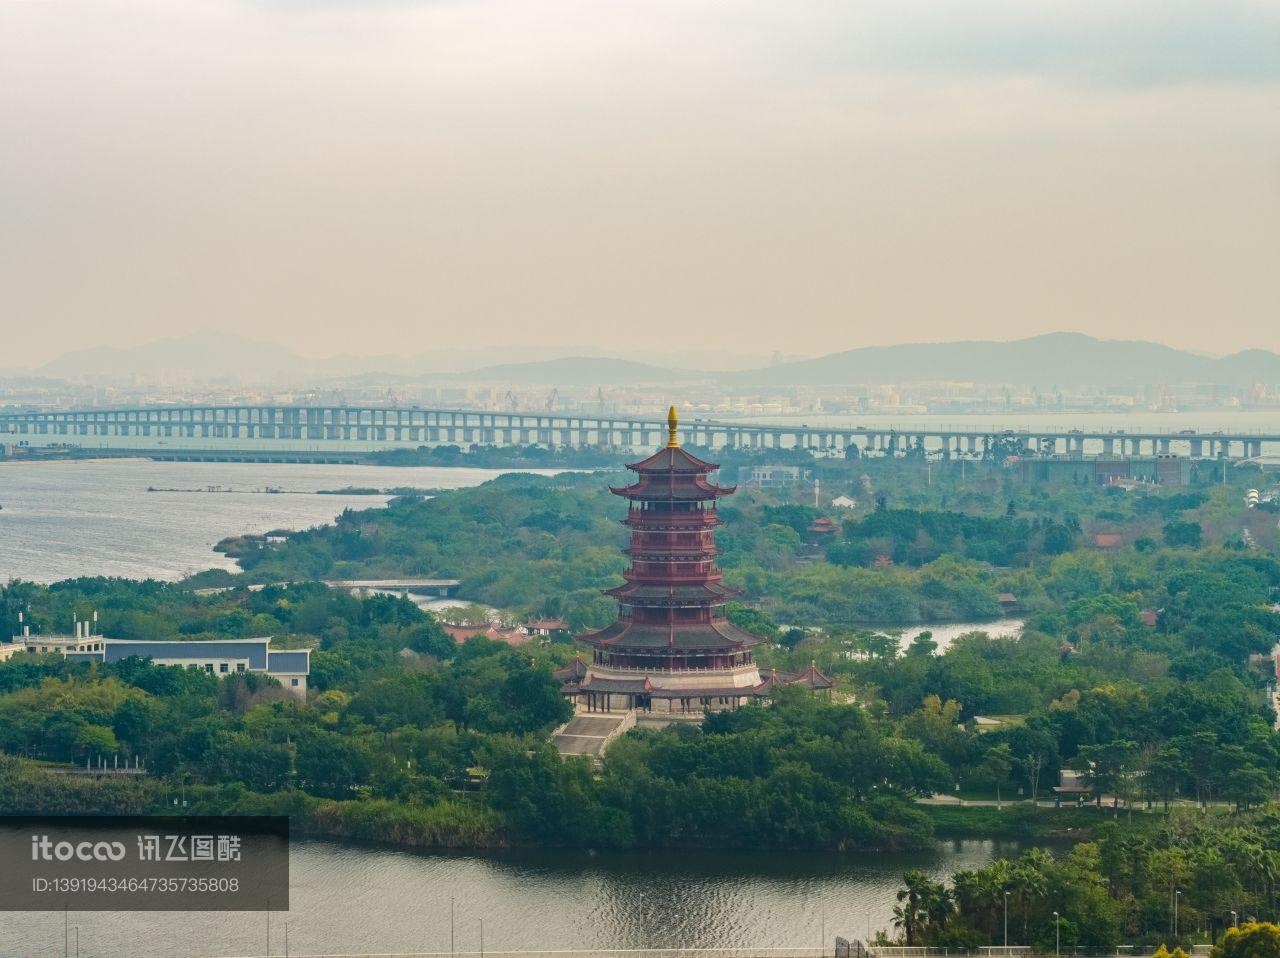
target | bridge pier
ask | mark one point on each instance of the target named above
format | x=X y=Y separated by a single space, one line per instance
x=304 y=430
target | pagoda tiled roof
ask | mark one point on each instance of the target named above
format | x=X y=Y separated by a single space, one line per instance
x=672 y=486
x=642 y=592
x=714 y=636
x=673 y=459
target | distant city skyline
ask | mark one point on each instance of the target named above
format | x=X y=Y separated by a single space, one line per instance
x=395 y=176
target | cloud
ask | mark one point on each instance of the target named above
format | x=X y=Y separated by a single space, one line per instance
x=1103 y=42
x=826 y=172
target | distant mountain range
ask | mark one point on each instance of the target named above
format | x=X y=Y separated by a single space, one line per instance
x=1053 y=360
x=204 y=356
x=211 y=356
x=583 y=371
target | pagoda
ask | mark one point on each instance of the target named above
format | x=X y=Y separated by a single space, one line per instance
x=672 y=649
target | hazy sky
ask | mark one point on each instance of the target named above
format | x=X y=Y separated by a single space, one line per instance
x=804 y=175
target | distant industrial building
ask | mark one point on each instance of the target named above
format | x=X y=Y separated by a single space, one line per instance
x=1109 y=471
x=289 y=667
x=770 y=476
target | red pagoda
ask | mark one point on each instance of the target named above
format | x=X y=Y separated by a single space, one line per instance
x=671 y=649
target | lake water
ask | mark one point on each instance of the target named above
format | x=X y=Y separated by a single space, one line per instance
x=59 y=520
x=357 y=899
x=947 y=633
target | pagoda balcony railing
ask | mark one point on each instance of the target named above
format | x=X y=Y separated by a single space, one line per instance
x=644 y=524
x=679 y=552
x=631 y=574
x=649 y=555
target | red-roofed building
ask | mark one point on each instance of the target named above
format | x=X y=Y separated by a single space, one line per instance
x=823 y=527
x=490 y=630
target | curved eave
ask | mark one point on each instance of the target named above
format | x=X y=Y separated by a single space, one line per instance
x=717 y=636
x=635 y=594
x=647 y=492
x=673 y=459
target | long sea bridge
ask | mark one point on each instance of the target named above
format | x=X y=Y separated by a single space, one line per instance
x=350 y=432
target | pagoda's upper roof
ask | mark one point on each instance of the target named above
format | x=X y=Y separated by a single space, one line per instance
x=673 y=473
x=671 y=485
x=673 y=459
x=718 y=635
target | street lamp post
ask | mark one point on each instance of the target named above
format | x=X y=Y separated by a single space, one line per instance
x=1177 y=896
x=451 y=926
x=1006 y=921
x=481 y=938
x=1235 y=920
x=1057 y=935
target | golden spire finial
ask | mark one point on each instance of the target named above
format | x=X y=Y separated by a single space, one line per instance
x=672 y=421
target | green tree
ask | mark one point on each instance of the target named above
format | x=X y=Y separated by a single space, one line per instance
x=1254 y=940
x=921 y=902
x=1179 y=534
x=995 y=767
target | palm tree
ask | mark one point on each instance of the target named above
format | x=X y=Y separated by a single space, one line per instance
x=920 y=902
x=1031 y=881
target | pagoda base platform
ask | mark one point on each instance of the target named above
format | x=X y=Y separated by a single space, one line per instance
x=663 y=719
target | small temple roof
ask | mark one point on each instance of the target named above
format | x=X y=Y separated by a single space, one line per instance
x=490 y=630
x=575 y=671
x=552 y=625
x=595 y=684
x=813 y=678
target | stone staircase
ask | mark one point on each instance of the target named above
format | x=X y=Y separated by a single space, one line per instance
x=590 y=733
